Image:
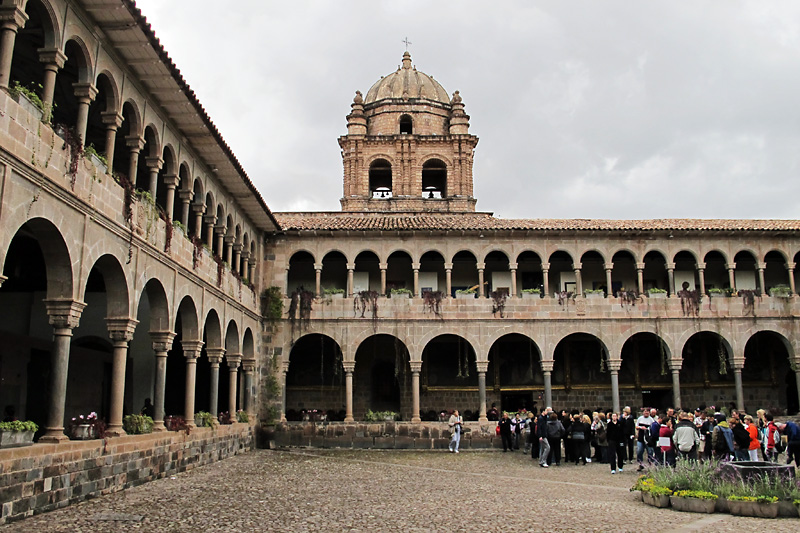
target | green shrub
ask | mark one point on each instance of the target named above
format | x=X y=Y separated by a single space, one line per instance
x=19 y=425
x=205 y=419
x=242 y=416
x=137 y=424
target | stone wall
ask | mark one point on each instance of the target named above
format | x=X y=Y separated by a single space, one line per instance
x=44 y=477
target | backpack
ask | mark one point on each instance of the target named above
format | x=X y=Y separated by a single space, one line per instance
x=553 y=430
x=780 y=447
x=721 y=445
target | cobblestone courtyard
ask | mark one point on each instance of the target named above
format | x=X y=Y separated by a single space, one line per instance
x=348 y=490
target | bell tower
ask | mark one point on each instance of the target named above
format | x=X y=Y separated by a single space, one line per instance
x=408 y=147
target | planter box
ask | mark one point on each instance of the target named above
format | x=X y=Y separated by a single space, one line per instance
x=82 y=432
x=29 y=106
x=657 y=295
x=466 y=296
x=662 y=500
x=336 y=296
x=14 y=439
x=102 y=167
x=532 y=295
x=717 y=295
x=402 y=295
x=595 y=295
x=692 y=505
x=758 y=510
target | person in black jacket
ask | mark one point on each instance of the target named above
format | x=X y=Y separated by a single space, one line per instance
x=741 y=439
x=580 y=434
x=555 y=432
x=541 y=444
x=615 y=434
x=505 y=432
x=629 y=423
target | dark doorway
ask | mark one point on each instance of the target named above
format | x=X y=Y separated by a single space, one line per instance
x=516 y=401
x=658 y=399
x=385 y=389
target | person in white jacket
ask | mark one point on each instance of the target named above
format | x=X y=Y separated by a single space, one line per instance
x=686 y=437
x=456 y=423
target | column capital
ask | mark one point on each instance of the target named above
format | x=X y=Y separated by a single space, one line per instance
x=210 y=219
x=482 y=366
x=121 y=329
x=154 y=163
x=85 y=91
x=64 y=313
x=52 y=56
x=171 y=181
x=547 y=365
x=675 y=365
x=191 y=349
x=608 y=266
x=512 y=266
x=112 y=119
x=249 y=366
x=761 y=265
x=790 y=266
x=545 y=266
x=448 y=266
x=135 y=143
x=162 y=340
x=318 y=266
x=219 y=230
x=670 y=266
x=381 y=266
x=701 y=266
x=737 y=363
x=480 y=266
x=639 y=266
x=576 y=266
x=233 y=359
x=228 y=238
x=14 y=16
x=245 y=255
x=199 y=208
x=237 y=247
x=416 y=366
x=348 y=366
x=730 y=266
x=215 y=354
x=614 y=364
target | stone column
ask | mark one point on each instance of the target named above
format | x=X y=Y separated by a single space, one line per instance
x=64 y=316
x=191 y=351
x=640 y=277
x=215 y=358
x=243 y=268
x=249 y=367
x=415 y=268
x=53 y=60
x=237 y=258
x=481 y=268
x=351 y=267
x=186 y=199
x=701 y=274
x=219 y=231
x=85 y=94
x=546 y=282
x=199 y=211
x=731 y=275
x=547 y=371
x=154 y=164
x=209 y=221
x=121 y=332
x=162 y=342
x=135 y=143
x=609 y=290
x=761 y=285
x=613 y=367
x=113 y=121
x=12 y=18
x=416 y=367
x=671 y=279
x=383 y=267
x=251 y=270
x=512 y=268
x=318 y=279
x=284 y=371
x=448 y=277
x=675 y=368
x=738 y=365
x=171 y=183
x=233 y=373
x=790 y=271
x=576 y=268
x=482 y=368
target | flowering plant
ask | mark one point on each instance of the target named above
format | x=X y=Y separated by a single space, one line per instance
x=242 y=417
x=97 y=424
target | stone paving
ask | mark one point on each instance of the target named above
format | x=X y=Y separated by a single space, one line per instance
x=375 y=490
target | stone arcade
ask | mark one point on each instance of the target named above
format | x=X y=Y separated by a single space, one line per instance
x=140 y=273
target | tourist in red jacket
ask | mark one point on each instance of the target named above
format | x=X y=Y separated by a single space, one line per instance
x=667 y=452
x=752 y=429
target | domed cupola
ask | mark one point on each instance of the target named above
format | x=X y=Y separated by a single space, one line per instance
x=408 y=147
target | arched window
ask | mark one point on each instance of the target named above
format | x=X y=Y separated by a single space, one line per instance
x=434 y=179
x=406 y=125
x=380 y=179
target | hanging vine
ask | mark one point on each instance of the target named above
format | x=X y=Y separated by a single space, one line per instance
x=366 y=300
x=723 y=360
x=499 y=302
x=565 y=297
x=129 y=193
x=628 y=298
x=197 y=251
x=432 y=302
x=463 y=360
x=690 y=301
x=168 y=229
x=749 y=301
x=220 y=269
x=73 y=141
x=603 y=359
x=300 y=308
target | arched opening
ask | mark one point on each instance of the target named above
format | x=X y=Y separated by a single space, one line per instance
x=65 y=103
x=334 y=271
x=497 y=273
x=716 y=273
x=315 y=380
x=645 y=378
x=562 y=276
x=593 y=274
x=707 y=375
x=449 y=375
x=580 y=370
x=767 y=377
x=465 y=272
x=406 y=125
x=399 y=274
x=383 y=375
x=529 y=272
x=686 y=271
x=432 y=275
x=103 y=103
x=380 y=179
x=623 y=274
x=186 y=330
x=655 y=273
x=746 y=275
x=146 y=179
x=26 y=68
x=301 y=272
x=367 y=274
x=122 y=152
x=434 y=179
x=775 y=273
x=153 y=316
x=514 y=378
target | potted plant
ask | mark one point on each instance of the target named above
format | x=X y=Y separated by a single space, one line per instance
x=594 y=293
x=333 y=293
x=797 y=505
x=780 y=291
x=28 y=99
x=203 y=419
x=717 y=293
x=224 y=418
x=87 y=427
x=656 y=495
x=401 y=293
x=17 y=433
x=97 y=159
x=693 y=501
x=242 y=417
x=381 y=416
x=175 y=423
x=758 y=506
x=655 y=292
x=137 y=424
x=531 y=293
x=464 y=294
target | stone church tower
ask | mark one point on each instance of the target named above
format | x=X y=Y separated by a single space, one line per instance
x=408 y=147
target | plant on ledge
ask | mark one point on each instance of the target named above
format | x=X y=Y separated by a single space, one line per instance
x=531 y=291
x=204 y=419
x=87 y=427
x=332 y=291
x=432 y=302
x=401 y=292
x=381 y=416
x=656 y=290
x=716 y=291
x=242 y=417
x=19 y=425
x=781 y=291
x=137 y=424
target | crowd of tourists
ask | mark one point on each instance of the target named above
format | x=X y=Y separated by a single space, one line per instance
x=654 y=438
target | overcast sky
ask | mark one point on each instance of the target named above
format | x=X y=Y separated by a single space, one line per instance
x=593 y=109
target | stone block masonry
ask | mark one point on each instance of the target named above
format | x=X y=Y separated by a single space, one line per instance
x=44 y=477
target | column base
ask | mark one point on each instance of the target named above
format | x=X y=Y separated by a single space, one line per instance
x=159 y=427
x=346 y=419
x=415 y=420
x=483 y=420
x=115 y=432
x=53 y=436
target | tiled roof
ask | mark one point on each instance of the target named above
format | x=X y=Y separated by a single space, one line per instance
x=366 y=221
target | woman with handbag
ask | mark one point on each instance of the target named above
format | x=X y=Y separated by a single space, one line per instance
x=455 y=424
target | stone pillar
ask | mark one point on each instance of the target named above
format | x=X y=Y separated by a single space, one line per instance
x=609 y=290
x=383 y=267
x=135 y=143
x=228 y=240
x=349 y=367
x=547 y=371
x=244 y=270
x=113 y=121
x=53 y=60
x=640 y=277
x=546 y=282
x=671 y=279
x=576 y=268
x=154 y=164
x=416 y=368
x=121 y=332
x=738 y=365
x=482 y=368
x=162 y=342
x=171 y=183
x=790 y=272
x=85 y=94
x=64 y=316
x=351 y=267
x=186 y=199
x=613 y=367
x=233 y=373
x=199 y=211
x=318 y=279
x=191 y=351
x=249 y=367
x=512 y=268
x=214 y=358
x=237 y=258
x=701 y=274
x=761 y=285
x=481 y=292
x=219 y=231
x=731 y=275
x=12 y=18
x=448 y=277
x=675 y=369
x=415 y=268
x=209 y=221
